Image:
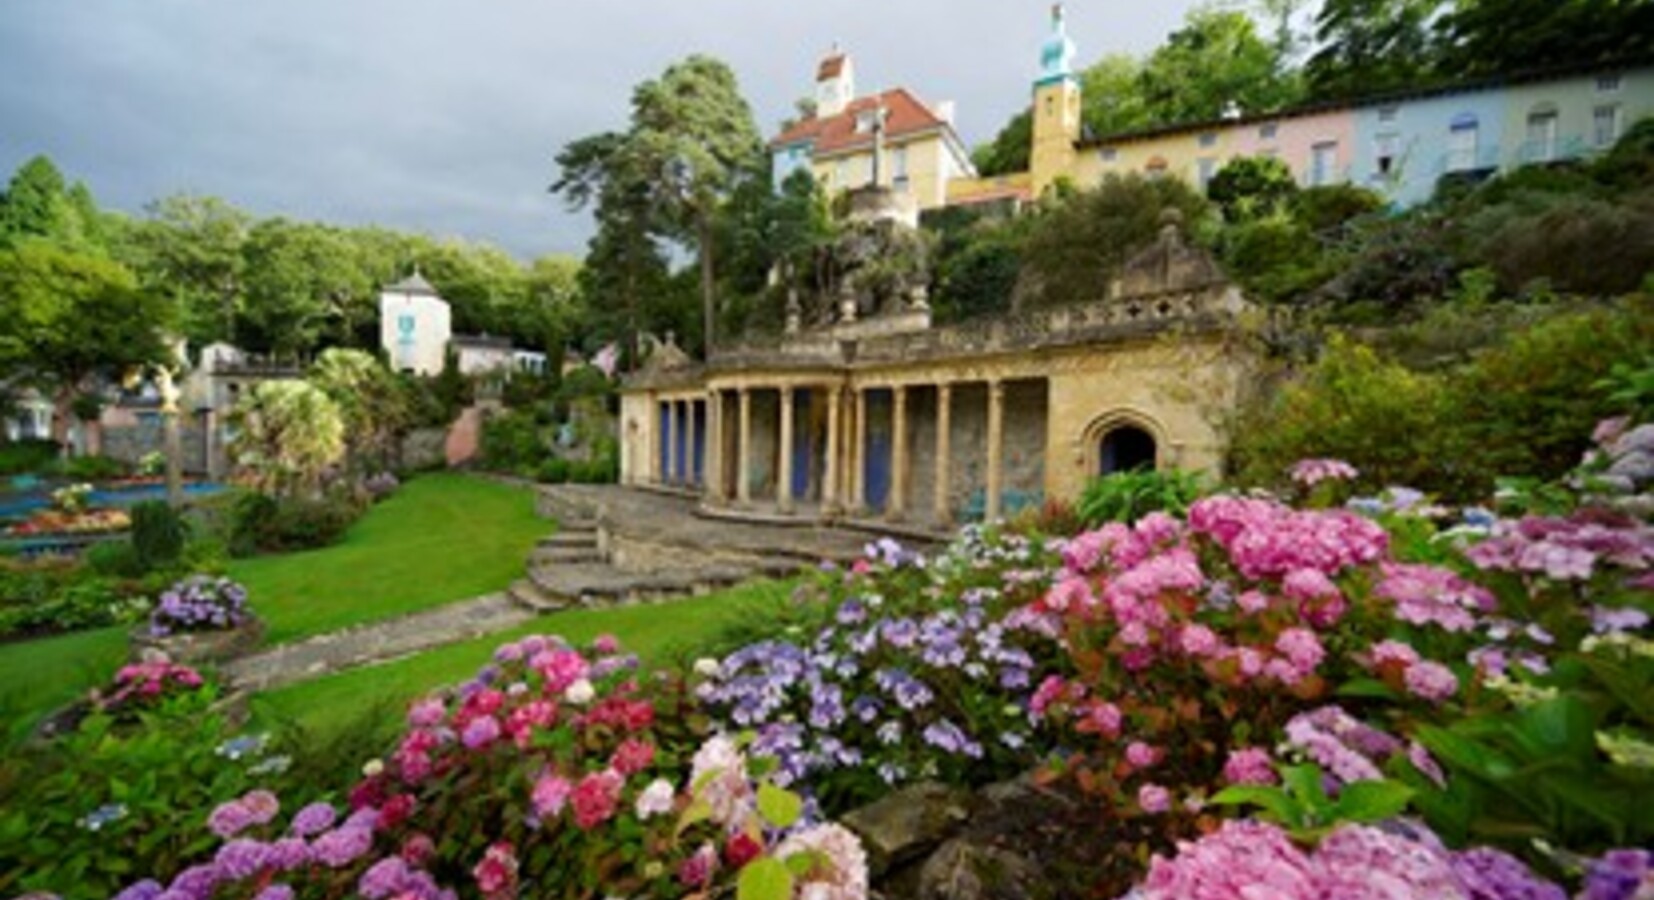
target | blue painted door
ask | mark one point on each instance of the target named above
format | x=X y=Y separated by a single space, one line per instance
x=698 y=471
x=803 y=445
x=877 y=470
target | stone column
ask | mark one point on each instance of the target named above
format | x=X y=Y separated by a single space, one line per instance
x=996 y=447
x=651 y=443
x=830 y=465
x=669 y=414
x=944 y=420
x=743 y=458
x=714 y=471
x=897 y=507
x=691 y=436
x=784 y=465
x=858 y=452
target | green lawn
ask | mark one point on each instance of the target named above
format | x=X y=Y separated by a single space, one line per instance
x=39 y=676
x=653 y=632
x=441 y=538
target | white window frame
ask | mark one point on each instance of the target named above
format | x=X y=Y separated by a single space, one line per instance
x=1616 y=129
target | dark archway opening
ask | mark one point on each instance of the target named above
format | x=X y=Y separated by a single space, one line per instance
x=1126 y=449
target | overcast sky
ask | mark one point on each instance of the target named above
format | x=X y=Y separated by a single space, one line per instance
x=443 y=116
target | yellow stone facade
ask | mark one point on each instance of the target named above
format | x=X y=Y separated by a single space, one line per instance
x=891 y=420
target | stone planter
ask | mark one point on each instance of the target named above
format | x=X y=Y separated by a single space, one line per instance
x=193 y=648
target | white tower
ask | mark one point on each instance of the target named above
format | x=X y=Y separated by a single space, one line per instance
x=835 y=84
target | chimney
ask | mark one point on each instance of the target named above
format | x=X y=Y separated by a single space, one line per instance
x=945 y=111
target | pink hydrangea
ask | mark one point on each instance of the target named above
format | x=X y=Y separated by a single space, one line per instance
x=427 y=713
x=1240 y=859
x=1301 y=647
x=551 y=792
x=595 y=798
x=1431 y=681
x=481 y=732
x=1311 y=472
x=1385 y=652
x=1249 y=765
x=1142 y=755
x=496 y=874
x=1199 y=641
x=838 y=870
x=1153 y=798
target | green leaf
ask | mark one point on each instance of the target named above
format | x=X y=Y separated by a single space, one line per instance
x=1366 y=687
x=765 y=879
x=781 y=808
x=1278 y=806
x=1371 y=801
x=1304 y=783
x=698 y=811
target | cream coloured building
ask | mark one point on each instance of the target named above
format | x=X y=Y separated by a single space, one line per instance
x=891 y=138
x=415 y=326
x=887 y=418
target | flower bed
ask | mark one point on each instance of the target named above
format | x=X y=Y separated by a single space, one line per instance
x=200 y=619
x=1312 y=701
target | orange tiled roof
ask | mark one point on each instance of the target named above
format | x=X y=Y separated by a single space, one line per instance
x=904 y=114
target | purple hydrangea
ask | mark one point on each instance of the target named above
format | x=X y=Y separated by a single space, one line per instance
x=199 y=603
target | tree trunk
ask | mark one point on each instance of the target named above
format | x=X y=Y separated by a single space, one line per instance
x=63 y=401
x=706 y=283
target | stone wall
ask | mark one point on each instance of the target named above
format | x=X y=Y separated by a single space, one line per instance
x=131 y=443
x=423 y=448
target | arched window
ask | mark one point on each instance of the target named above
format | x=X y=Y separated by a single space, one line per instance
x=1126 y=448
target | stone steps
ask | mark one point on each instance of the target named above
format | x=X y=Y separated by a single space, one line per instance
x=568 y=555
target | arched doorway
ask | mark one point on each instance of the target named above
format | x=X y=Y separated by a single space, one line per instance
x=1126 y=448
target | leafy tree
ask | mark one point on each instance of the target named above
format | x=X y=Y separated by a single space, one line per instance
x=370 y=399
x=72 y=318
x=1216 y=61
x=304 y=288
x=1370 y=45
x=1115 y=100
x=693 y=140
x=1251 y=186
x=1078 y=243
x=1486 y=37
x=192 y=247
x=287 y=435
x=1010 y=150
x=38 y=203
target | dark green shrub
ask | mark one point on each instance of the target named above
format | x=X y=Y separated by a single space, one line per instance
x=512 y=442
x=305 y=524
x=1528 y=407
x=1388 y=422
x=249 y=523
x=27 y=457
x=1077 y=244
x=157 y=780
x=93 y=468
x=117 y=559
x=978 y=281
x=158 y=534
x=1578 y=245
x=1249 y=187
x=1630 y=165
x=1275 y=258
x=1129 y=496
x=1329 y=207
x=554 y=471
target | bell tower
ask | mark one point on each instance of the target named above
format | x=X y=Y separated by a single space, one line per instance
x=1056 y=108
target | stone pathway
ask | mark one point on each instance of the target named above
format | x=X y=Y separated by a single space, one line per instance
x=375 y=643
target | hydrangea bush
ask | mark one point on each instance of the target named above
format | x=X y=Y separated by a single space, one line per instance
x=556 y=772
x=918 y=674
x=199 y=603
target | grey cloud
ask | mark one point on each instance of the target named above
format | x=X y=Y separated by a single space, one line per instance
x=443 y=116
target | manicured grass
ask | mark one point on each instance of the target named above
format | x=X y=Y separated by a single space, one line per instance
x=39 y=676
x=441 y=538
x=652 y=632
